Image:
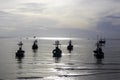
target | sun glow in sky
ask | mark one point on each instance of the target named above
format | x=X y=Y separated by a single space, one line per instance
x=41 y=17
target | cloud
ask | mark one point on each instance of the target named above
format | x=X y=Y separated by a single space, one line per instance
x=109 y=26
x=97 y=16
x=32 y=7
x=15 y=24
x=114 y=17
x=83 y=14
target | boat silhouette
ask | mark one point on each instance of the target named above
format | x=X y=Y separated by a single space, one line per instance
x=35 y=46
x=70 y=46
x=20 y=52
x=57 y=52
x=98 y=53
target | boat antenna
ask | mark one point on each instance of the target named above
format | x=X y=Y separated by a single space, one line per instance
x=57 y=43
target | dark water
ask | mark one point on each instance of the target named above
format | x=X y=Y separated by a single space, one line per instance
x=40 y=65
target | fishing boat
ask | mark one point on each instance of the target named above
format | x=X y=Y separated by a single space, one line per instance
x=20 y=52
x=35 y=46
x=70 y=46
x=98 y=53
x=57 y=52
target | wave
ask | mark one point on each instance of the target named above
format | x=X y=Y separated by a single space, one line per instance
x=70 y=75
x=29 y=77
x=103 y=63
x=89 y=74
x=68 y=68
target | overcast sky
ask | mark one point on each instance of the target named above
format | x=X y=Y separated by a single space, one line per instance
x=59 y=17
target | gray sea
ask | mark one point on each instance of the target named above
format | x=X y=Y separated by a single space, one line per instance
x=80 y=64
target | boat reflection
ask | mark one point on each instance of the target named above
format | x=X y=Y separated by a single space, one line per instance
x=19 y=61
x=99 y=61
x=57 y=59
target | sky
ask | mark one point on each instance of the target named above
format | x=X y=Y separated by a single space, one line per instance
x=77 y=18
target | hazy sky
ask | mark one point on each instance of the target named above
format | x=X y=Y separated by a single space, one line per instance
x=59 y=17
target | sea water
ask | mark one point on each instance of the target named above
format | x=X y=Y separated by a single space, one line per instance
x=80 y=64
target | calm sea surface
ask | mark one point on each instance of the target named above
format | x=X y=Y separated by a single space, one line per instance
x=80 y=64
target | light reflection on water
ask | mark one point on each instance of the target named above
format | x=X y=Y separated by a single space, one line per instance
x=55 y=38
x=80 y=64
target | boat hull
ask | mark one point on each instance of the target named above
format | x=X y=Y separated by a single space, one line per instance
x=98 y=55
